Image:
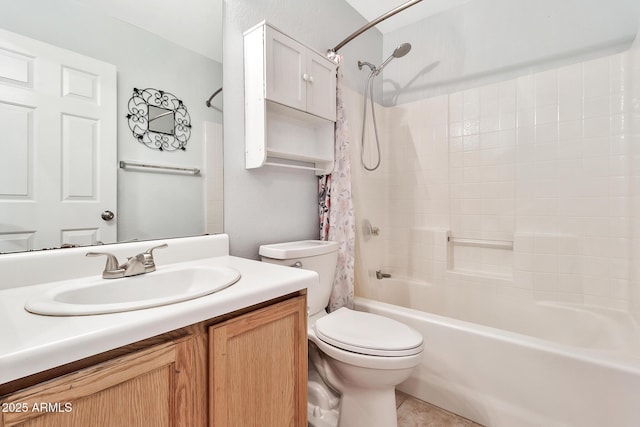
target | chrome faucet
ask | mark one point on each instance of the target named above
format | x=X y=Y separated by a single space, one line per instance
x=138 y=264
x=380 y=275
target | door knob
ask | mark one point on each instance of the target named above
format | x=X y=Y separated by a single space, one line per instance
x=107 y=215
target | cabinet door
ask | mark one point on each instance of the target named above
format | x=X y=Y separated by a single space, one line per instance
x=154 y=387
x=321 y=86
x=285 y=70
x=258 y=368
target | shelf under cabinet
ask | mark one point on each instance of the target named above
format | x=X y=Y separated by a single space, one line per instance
x=279 y=154
x=291 y=134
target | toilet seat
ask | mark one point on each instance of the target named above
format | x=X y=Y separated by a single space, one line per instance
x=368 y=334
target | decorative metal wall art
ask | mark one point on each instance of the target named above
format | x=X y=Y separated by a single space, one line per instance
x=159 y=120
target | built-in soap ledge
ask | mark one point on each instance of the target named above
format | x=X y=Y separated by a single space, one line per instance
x=481 y=243
x=480 y=257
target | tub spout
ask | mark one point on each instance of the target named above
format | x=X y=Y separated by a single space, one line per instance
x=380 y=275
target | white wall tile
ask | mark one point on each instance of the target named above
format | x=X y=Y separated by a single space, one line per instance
x=597 y=77
x=546 y=88
x=570 y=84
x=543 y=160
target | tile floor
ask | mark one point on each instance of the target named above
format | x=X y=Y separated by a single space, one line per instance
x=413 y=412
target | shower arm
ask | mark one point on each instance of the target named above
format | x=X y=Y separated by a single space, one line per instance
x=332 y=53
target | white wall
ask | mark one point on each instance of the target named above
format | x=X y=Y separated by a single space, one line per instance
x=488 y=41
x=149 y=204
x=269 y=204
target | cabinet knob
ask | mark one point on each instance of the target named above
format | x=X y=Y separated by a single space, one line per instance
x=310 y=79
x=305 y=77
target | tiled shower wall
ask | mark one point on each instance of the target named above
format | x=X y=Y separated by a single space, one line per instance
x=543 y=161
x=634 y=118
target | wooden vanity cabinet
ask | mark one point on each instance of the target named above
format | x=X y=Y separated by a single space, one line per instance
x=245 y=369
x=258 y=368
x=145 y=388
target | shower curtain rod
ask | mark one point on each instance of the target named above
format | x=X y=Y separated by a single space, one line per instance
x=332 y=52
x=208 y=102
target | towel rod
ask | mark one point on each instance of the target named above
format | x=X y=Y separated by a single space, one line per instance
x=192 y=171
x=284 y=165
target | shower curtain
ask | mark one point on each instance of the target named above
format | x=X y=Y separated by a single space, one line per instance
x=337 y=219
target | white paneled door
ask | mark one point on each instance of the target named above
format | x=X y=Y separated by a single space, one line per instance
x=57 y=146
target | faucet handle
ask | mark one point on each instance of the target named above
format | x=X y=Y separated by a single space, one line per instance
x=111 y=269
x=149 y=263
x=150 y=250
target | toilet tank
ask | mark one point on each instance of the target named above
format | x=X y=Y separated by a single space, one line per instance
x=316 y=255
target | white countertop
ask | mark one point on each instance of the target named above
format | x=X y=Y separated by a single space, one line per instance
x=31 y=343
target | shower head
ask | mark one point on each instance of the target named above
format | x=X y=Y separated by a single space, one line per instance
x=398 y=52
x=401 y=50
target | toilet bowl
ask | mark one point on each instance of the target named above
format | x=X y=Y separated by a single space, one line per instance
x=364 y=356
x=356 y=358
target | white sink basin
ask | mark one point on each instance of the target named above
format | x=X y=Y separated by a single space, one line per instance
x=100 y=296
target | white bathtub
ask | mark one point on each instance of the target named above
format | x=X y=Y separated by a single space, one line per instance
x=504 y=363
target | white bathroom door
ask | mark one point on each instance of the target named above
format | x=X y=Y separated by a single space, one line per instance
x=57 y=146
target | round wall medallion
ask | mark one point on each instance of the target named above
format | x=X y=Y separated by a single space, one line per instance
x=159 y=120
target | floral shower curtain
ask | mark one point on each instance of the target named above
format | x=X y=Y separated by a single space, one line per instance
x=337 y=219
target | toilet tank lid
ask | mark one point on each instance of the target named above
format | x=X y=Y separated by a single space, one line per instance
x=300 y=249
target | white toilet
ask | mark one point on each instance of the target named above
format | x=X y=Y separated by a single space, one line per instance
x=360 y=355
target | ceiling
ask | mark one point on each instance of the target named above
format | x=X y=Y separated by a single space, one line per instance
x=164 y=18
x=371 y=9
x=204 y=32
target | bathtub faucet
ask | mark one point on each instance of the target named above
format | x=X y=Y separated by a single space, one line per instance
x=380 y=275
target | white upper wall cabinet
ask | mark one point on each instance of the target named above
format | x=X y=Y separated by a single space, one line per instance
x=321 y=86
x=290 y=102
x=298 y=77
x=285 y=71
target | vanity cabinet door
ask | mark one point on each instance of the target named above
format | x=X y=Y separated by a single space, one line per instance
x=258 y=368
x=153 y=387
